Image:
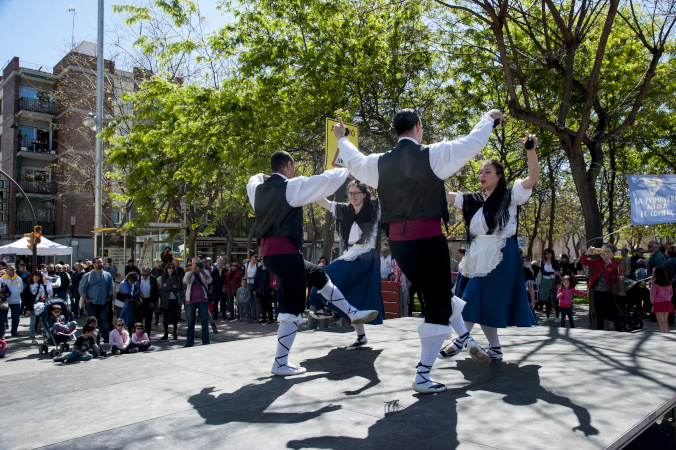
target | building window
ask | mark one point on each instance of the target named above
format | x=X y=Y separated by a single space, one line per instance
x=117 y=215
x=42 y=213
x=27 y=92
x=33 y=139
x=36 y=175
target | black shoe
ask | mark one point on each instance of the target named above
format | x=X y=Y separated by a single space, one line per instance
x=164 y=338
x=213 y=327
x=17 y=334
x=175 y=338
x=187 y=345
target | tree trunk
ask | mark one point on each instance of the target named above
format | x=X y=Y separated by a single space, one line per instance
x=534 y=234
x=191 y=251
x=586 y=189
x=314 y=232
x=552 y=207
x=249 y=238
x=328 y=236
x=611 y=193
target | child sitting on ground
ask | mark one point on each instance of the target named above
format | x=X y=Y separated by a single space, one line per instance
x=119 y=339
x=93 y=322
x=57 y=322
x=84 y=349
x=141 y=339
x=243 y=297
x=565 y=297
x=3 y=348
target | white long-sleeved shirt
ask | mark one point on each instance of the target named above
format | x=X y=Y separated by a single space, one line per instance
x=301 y=191
x=446 y=157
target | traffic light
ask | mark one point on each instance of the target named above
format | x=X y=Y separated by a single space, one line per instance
x=37 y=234
x=31 y=240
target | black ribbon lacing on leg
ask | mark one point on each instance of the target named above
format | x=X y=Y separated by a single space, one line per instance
x=279 y=340
x=360 y=337
x=496 y=351
x=423 y=374
x=351 y=310
x=459 y=342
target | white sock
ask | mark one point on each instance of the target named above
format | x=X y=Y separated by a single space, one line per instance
x=428 y=354
x=361 y=332
x=334 y=297
x=285 y=337
x=491 y=334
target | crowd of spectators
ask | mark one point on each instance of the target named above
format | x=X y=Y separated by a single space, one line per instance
x=168 y=290
x=246 y=292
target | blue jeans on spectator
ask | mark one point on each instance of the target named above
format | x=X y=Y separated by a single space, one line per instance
x=101 y=314
x=191 y=317
x=16 y=311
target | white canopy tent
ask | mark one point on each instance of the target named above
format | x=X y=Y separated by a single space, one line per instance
x=45 y=247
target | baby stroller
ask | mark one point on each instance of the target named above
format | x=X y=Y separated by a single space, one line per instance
x=635 y=305
x=60 y=340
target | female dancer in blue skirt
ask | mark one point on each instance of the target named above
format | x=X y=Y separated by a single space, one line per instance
x=357 y=272
x=491 y=278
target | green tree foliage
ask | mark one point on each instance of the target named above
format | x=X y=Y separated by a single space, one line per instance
x=581 y=71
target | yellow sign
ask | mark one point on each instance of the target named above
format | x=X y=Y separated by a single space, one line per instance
x=332 y=156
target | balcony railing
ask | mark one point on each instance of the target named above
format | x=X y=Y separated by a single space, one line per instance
x=26 y=226
x=35 y=146
x=37 y=105
x=38 y=187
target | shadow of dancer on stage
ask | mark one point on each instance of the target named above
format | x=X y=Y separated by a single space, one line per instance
x=249 y=403
x=346 y=364
x=528 y=391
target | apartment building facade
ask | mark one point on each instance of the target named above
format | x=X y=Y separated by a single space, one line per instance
x=46 y=148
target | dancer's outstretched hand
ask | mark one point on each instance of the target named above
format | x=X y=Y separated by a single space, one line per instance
x=339 y=129
x=495 y=114
x=531 y=137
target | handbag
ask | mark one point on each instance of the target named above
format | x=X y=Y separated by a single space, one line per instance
x=618 y=286
x=618 y=283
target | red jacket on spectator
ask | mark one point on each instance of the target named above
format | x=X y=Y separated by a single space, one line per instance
x=614 y=269
x=233 y=281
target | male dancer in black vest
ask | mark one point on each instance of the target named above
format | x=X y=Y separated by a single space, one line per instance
x=410 y=182
x=278 y=201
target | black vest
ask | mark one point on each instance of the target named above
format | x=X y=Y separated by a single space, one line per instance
x=274 y=216
x=407 y=186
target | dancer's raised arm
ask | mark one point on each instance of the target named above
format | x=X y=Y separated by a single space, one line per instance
x=533 y=167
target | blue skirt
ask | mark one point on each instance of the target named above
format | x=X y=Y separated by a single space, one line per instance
x=359 y=281
x=499 y=299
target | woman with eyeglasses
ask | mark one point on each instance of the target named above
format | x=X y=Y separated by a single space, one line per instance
x=491 y=278
x=357 y=271
x=169 y=287
x=551 y=274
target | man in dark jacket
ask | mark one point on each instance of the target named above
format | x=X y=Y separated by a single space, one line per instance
x=218 y=277
x=130 y=267
x=149 y=294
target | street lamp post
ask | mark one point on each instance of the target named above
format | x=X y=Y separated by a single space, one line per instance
x=185 y=209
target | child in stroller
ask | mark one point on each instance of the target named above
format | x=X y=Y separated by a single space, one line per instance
x=58 y=326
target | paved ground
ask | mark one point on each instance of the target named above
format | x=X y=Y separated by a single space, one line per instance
x=556 y=388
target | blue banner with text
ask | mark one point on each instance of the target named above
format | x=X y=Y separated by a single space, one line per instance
x=653 y=199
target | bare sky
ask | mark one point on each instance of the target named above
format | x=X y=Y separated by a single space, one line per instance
x=39 y=31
